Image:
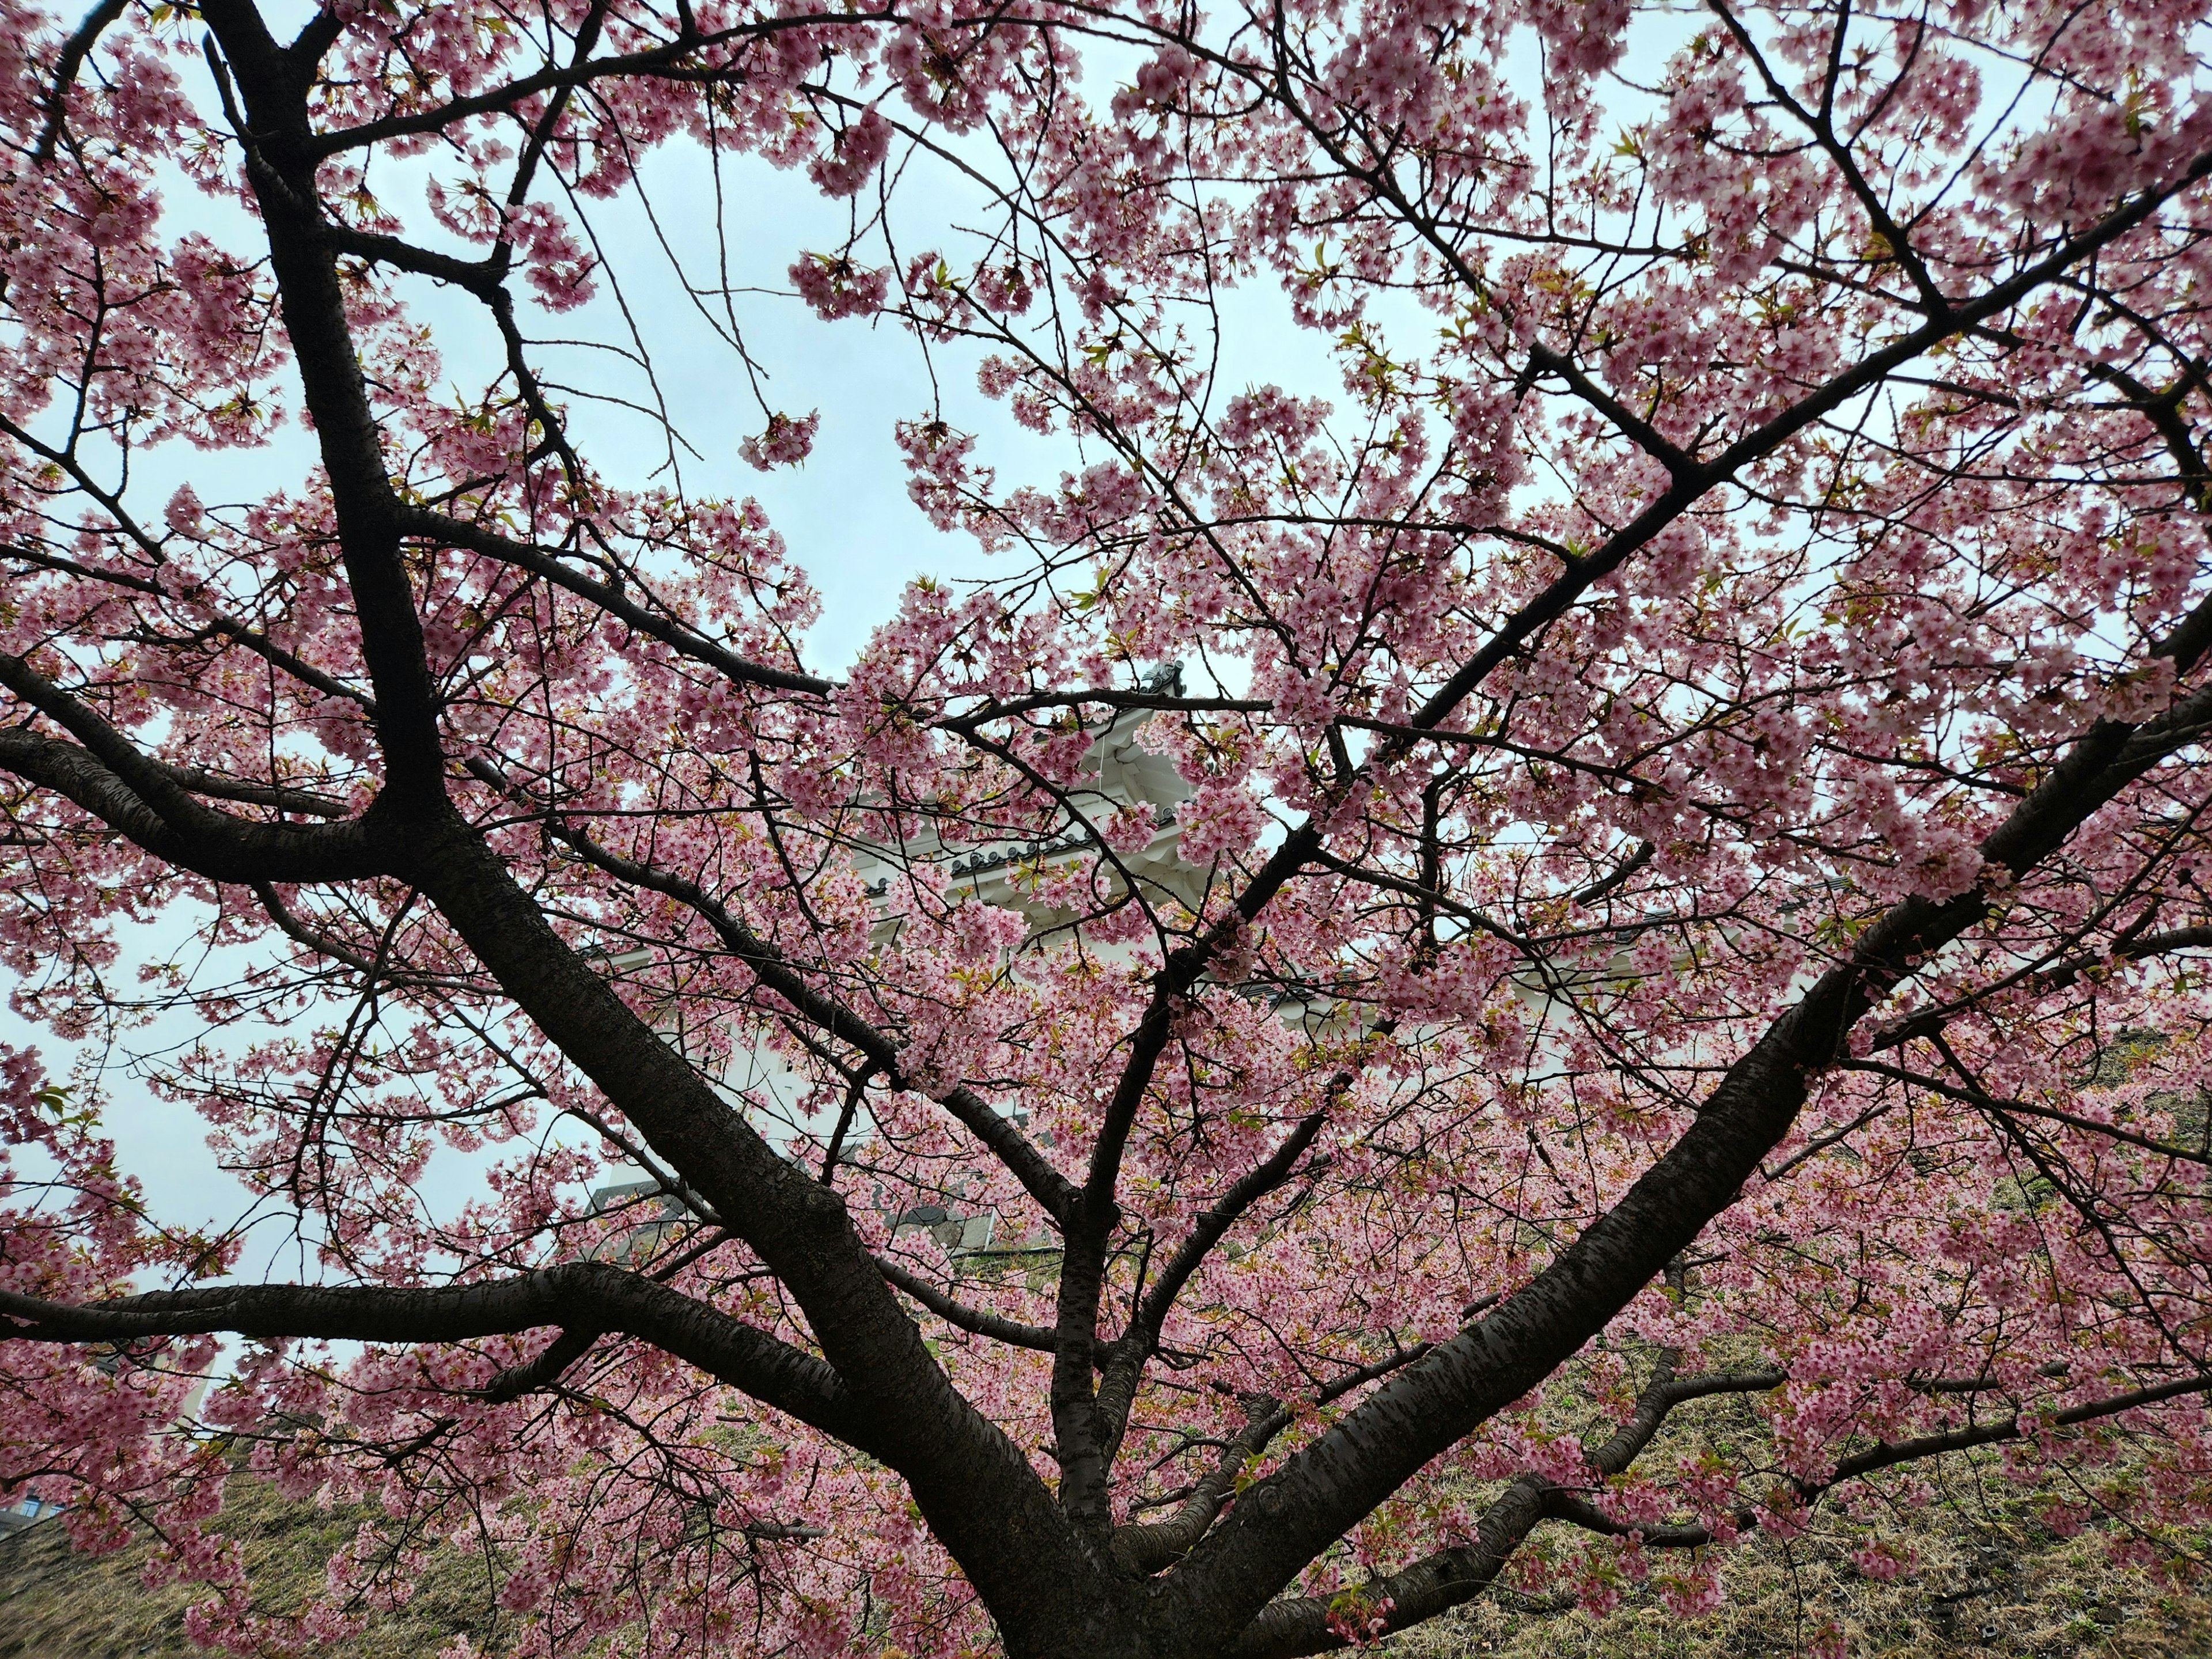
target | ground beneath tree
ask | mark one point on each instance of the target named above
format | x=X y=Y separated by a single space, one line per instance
x=1984 y=1585
x=57 y=1604
x=1987 y=1584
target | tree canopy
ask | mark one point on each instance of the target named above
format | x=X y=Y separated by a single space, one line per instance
x=1657 y=854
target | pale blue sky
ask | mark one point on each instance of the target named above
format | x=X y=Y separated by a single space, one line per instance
x=845 y=514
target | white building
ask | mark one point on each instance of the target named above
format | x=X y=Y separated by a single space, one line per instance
x=773 y=1094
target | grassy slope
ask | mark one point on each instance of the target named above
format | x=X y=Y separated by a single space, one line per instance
x=57 y=1604
x=1982 y=1589
x=1988 y=1583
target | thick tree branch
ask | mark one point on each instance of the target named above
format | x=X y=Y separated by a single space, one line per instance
x=1140 y=1551
x=975 y=1486
x=1661 y=1396
x=1326 y=1487
x=1304 y=1626
x=151 y=804
x=74 y=50
x=1887 y=1456
x=578 y=1295
x=1560 y=1505
x=1076 y=1417
x=1435 y=1584
x=1143 y=1549
x=573 y=1342
x=281 y=168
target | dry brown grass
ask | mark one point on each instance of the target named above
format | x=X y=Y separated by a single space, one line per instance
x=1989 y=1583
x=57 y=1604
x=1986 y=1594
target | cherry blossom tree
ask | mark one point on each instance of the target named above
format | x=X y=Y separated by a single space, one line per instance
x=1687 y=806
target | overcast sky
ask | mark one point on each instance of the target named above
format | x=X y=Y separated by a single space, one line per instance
x=844 y=514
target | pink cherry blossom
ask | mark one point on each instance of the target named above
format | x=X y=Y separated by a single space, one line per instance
x=1576 y=787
